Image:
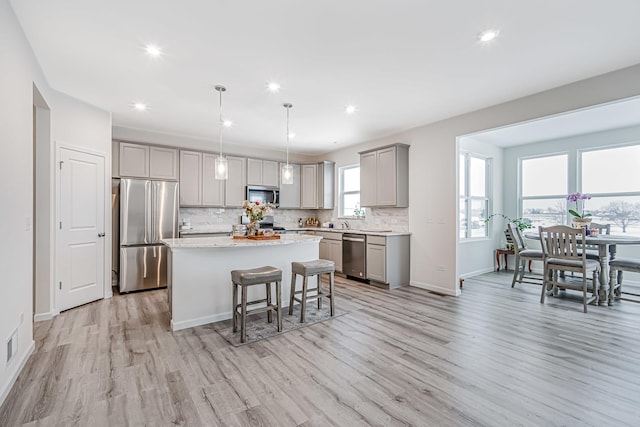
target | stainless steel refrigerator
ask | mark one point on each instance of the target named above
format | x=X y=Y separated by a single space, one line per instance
x=148 y=213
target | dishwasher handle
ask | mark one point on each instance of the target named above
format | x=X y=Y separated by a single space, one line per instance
x=354 y=239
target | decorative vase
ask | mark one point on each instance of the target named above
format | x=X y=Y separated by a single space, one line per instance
x=253 y=227
x=581 y=222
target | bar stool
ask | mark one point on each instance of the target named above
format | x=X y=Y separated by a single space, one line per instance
x=256 y=276
x=317 y=267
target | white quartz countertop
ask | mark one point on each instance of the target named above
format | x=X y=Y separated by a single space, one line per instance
x=372 y=232
x=207 y=229
x=227 y=229
x=229 y=242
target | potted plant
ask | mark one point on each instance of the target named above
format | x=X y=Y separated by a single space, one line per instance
x=520 y=222
x=580 y=219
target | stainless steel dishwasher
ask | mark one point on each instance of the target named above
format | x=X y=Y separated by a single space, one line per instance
x=354 y=256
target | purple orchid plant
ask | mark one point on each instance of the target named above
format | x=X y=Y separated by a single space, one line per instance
x=576 y=198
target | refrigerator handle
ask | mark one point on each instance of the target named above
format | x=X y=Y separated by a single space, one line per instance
x=154 y=214
x=148 y=217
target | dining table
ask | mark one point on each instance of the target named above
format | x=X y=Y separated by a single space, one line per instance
x=607 y=247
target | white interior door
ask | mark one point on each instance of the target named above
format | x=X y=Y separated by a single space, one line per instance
x=81 y=228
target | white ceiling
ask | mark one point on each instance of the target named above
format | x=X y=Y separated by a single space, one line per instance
x=403 y=63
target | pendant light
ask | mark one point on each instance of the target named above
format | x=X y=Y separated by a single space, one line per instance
x=287 y=170
x=221 y=165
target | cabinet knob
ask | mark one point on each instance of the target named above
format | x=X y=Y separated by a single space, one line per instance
x=100 y=234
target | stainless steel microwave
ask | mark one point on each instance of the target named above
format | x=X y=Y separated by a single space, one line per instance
x=262 y=194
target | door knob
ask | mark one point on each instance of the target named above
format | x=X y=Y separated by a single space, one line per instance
x=100 y=234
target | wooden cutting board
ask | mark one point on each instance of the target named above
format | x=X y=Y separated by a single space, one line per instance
x=274 y=237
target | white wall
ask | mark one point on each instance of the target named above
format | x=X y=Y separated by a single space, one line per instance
x=18 y=71
x=72 y=122
x=433 y=166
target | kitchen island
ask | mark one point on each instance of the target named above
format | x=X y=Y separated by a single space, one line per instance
x=199 y=278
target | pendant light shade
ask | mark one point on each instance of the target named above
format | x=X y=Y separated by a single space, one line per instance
x=287 y=170
x=221 y=166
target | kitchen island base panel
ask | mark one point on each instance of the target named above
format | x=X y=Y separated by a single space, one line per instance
x=201 y=289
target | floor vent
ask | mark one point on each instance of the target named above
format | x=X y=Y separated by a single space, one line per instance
x=12 y=346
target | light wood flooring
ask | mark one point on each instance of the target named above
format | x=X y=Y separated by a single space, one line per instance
x=492 y=357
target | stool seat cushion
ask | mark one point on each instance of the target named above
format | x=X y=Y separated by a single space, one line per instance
x=628 y=264
x=310 y=268
x=256 y=276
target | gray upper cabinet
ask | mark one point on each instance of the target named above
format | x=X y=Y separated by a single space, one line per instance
x=326 y=184
x=163 y=163
x=317 y=185
x=190 y=178
x=262 y=172
x=290 y=193
x=212 y=188
x=134 y=160
x=198 y=184
x=309 y=186
x=144 y=161
x=384 y=176
x=235 y=185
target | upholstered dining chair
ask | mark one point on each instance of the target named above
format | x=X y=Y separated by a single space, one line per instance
x=523 y=256
x=562 y=252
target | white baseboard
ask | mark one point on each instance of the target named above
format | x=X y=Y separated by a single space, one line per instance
x=477 y=272
x=40 y=317
x=435 y=288
x=13 y=375
x=183 y=324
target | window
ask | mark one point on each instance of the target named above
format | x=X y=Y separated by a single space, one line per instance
x=609 y=175
x=544 y=183
x=350 y=191
x=474 y=198
x=612 y=178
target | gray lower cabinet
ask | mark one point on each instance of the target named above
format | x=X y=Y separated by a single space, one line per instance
x=331 y=248
x=388 y=260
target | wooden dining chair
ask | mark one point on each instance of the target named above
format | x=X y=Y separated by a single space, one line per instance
x=523 y=256
x=616 y=267
x=603 y=230
x=562 y=252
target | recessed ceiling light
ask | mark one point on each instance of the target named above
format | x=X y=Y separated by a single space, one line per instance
x=488 y=35
x=153 y=50
x=273 y=87
x=140 y=106
x=350 y=109
x=227 y=123
x=292 y=135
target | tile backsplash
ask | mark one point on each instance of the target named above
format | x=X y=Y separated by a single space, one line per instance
x=395 y=219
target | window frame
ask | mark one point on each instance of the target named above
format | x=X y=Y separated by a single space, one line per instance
x=465 y=201
x=342 y=193
x=522 y=198
x=574 y=178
